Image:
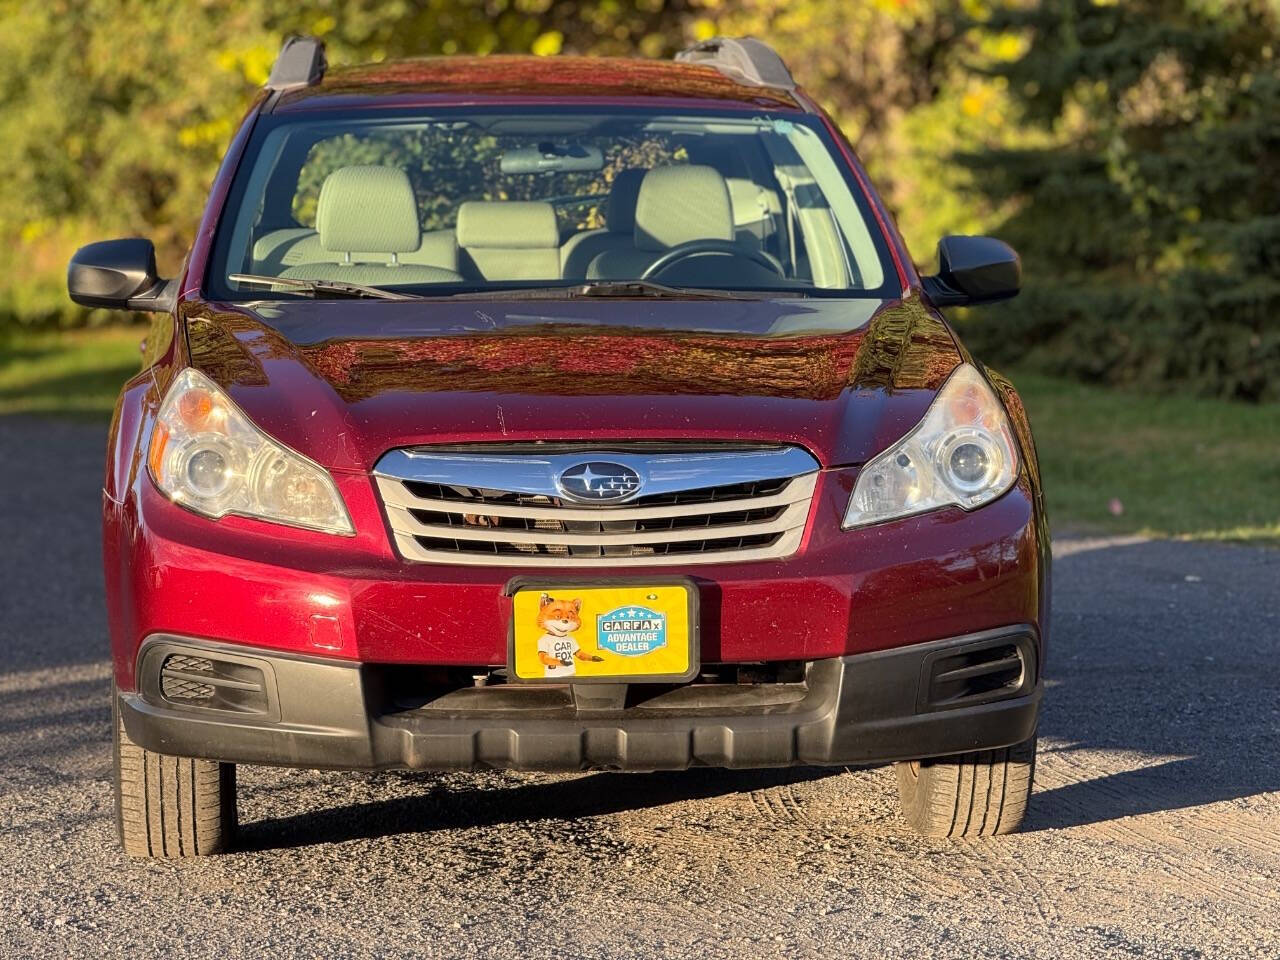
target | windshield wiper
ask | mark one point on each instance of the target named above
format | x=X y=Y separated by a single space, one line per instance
x=319 y=289
x=603 y=288
x=650 y=288
x=591 y=288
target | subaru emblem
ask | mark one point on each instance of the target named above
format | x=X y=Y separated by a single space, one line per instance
x=599 y=481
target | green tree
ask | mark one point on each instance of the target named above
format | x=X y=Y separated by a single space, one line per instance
x=1148 y=219
x=890 y=72
x=115 y=113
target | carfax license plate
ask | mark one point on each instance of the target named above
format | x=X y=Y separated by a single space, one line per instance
x=603 y=631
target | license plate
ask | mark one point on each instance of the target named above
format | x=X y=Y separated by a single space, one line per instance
x=603 y=632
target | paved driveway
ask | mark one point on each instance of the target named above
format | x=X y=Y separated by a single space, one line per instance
x=1155 y=829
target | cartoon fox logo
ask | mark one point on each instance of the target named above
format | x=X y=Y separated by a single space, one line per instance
x=557 y=648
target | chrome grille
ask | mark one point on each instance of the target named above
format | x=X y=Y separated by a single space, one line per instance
x=506 y=507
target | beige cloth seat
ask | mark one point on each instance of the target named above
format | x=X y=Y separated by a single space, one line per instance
x=273 y=251
x=366 y=221
x=675 y=205
x=619 y=226
x=755 y=209
x=509 y=240
x=292 y=246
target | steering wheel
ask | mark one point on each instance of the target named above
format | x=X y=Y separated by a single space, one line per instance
x=696 y=248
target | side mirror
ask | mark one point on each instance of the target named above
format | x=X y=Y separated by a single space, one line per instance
x=973 y=270
x=119 y=275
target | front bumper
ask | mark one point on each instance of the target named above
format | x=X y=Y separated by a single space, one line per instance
x=326 y=713
x=939 y=574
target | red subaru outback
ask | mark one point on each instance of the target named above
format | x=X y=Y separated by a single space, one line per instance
x=562 y=414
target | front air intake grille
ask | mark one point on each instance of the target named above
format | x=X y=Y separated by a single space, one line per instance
x=502 y=548
x=708 y=521
x=471 y=495
x=176 y=681
x=508 y=507
x=175 y=688
x=979 y=672
x=213 y=684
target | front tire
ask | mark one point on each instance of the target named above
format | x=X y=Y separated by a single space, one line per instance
x=978 y=794
x=173 y=807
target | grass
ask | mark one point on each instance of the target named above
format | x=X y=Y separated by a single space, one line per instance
x=1174 y=466
x=1171 y=465
x=74 y=373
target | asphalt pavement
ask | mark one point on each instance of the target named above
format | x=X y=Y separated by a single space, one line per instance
x=1154 y=830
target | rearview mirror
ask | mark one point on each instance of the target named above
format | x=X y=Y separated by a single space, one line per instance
x=119 y=275
x=549 y=157
x=973 y=270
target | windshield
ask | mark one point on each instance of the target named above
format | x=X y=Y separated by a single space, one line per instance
x=490 y=200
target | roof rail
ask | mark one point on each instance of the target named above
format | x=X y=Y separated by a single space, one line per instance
x=743 y=58
x=300 y=63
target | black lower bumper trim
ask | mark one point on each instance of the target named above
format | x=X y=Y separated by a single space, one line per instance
x=859 y=709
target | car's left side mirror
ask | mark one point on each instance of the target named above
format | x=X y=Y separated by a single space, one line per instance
x=119 y=275
x=973 y=270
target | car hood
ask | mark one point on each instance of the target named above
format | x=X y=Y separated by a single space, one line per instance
x=344 y=381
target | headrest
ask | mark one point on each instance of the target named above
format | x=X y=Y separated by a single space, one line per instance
x=511 y=224
x=751 y=202
x=521 y=224
x=624 y=192
x=370 y=209
x=682 y=203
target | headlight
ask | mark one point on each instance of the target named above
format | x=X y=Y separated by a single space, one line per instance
x=208 y=456
x=962 y=453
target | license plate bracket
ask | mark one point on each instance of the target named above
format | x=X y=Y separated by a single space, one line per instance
x=614 y=630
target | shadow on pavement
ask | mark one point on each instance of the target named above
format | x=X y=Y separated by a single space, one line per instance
x=1172 y=785
x=447 y=808
x=1170 y=653
x=51 y=609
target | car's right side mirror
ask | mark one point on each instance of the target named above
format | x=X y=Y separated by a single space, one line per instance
x=973 y=270
x=119 y=275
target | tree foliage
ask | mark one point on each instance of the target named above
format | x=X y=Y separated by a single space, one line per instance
x=1149 y=220
x=115 y=113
